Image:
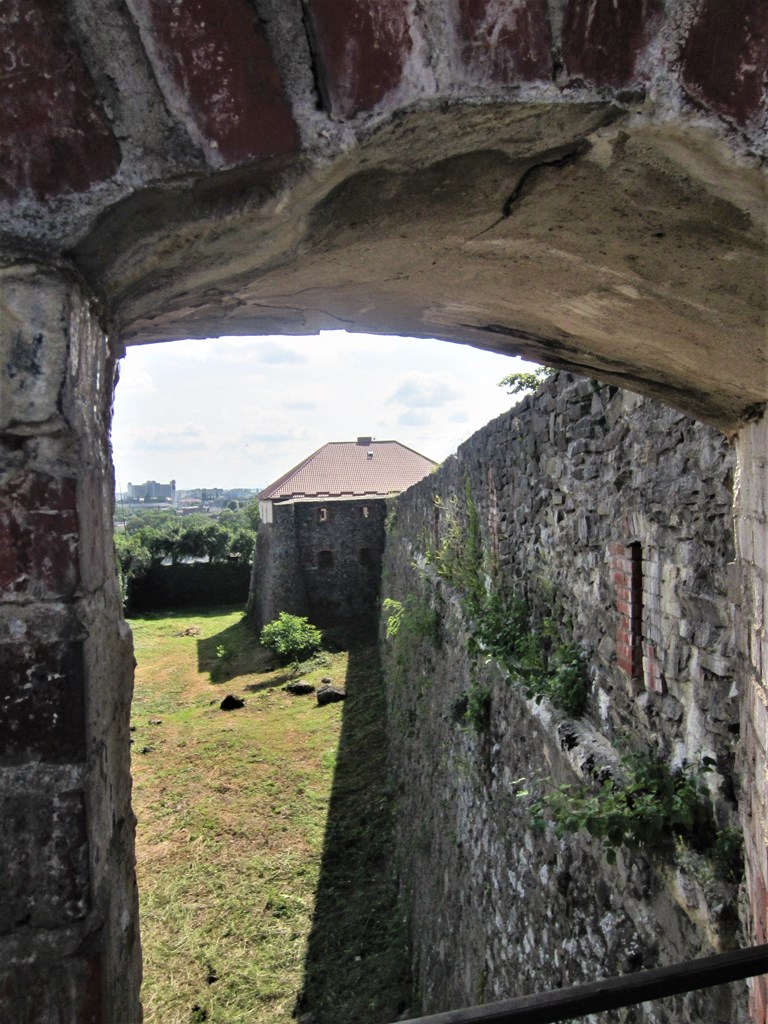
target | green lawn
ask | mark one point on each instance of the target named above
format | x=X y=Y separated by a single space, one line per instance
x=264 y=834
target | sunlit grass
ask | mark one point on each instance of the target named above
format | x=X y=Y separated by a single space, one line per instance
x=232 y=814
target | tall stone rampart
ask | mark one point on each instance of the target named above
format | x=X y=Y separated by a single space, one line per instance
x=610 y=516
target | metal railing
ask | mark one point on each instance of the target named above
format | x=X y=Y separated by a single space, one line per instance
x=570 y=1003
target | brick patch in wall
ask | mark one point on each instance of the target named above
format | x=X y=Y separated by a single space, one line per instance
x=42 y=708
x=625 y=566
x=43 y=860
x=38 y=522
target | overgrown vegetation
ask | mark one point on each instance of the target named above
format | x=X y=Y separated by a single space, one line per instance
x=545 y=665
x=291 y=638
x=413 y=618
x=646 y=804
x=534 y=653
x=264 y=839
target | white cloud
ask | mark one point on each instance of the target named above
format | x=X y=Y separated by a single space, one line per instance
x=423 y=389
x=174 y=438
x=414 y=418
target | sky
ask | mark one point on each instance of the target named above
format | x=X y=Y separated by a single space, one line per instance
x=240 y=412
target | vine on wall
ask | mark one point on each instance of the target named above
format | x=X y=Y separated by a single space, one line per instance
x=502 y=626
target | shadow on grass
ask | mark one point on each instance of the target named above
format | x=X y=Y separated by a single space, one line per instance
x=233 y=652
x=357 y=965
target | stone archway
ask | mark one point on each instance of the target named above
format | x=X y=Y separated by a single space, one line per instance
x=569 y=180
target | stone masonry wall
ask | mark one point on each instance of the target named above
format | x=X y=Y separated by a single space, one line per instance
x=69 y=948
x=611 y=515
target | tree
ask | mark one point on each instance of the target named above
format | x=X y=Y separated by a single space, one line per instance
x=242 y=544
x=133 y=560
x=251 y=510
x=524 y=381
x=216 y=540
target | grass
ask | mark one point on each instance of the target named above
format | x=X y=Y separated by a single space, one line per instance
x=264 y=834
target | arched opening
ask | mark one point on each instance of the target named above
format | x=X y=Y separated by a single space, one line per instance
x=179 y=412
x=582 y=188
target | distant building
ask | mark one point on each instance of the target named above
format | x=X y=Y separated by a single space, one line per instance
x=321 y=536
x=152 y=491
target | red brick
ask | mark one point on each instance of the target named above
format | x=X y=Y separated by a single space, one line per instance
x=361 y=50
x=219 y=58
x=602 y=40
x=38 y=527
x=54 y=136
x=725 y=57
x=508 y=42
x=42 y=707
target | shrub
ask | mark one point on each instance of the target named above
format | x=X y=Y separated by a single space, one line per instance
x=291 y=637
x=647 y=805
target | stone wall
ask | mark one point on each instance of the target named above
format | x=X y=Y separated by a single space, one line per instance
x=68 y=917
x=611 y=516
x=321 y=559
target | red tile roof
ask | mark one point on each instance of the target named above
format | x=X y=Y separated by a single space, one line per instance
x=351 y=468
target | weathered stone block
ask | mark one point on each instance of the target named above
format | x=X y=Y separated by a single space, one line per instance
x=66 y=991
x=42 y=706
x=33 y=347
x=43 y=860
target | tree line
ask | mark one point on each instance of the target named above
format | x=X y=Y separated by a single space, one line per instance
x=154 y=536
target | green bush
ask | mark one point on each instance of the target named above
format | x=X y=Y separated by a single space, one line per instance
x=291 y=638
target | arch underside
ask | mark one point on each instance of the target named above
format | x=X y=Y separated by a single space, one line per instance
x=570 y=235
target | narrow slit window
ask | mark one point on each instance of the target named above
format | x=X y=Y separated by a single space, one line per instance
x=636 y=608
x=323 y=515
x=325 y=559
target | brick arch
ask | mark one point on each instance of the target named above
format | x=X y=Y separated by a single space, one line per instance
x=568 y=180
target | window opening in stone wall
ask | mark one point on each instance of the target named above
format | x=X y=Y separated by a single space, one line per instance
x=364 y=511
x=322 y=515
x=636 y=608
x=366 y=557
x=325 y=559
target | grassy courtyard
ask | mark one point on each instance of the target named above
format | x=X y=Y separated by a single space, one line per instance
x=266 y=887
